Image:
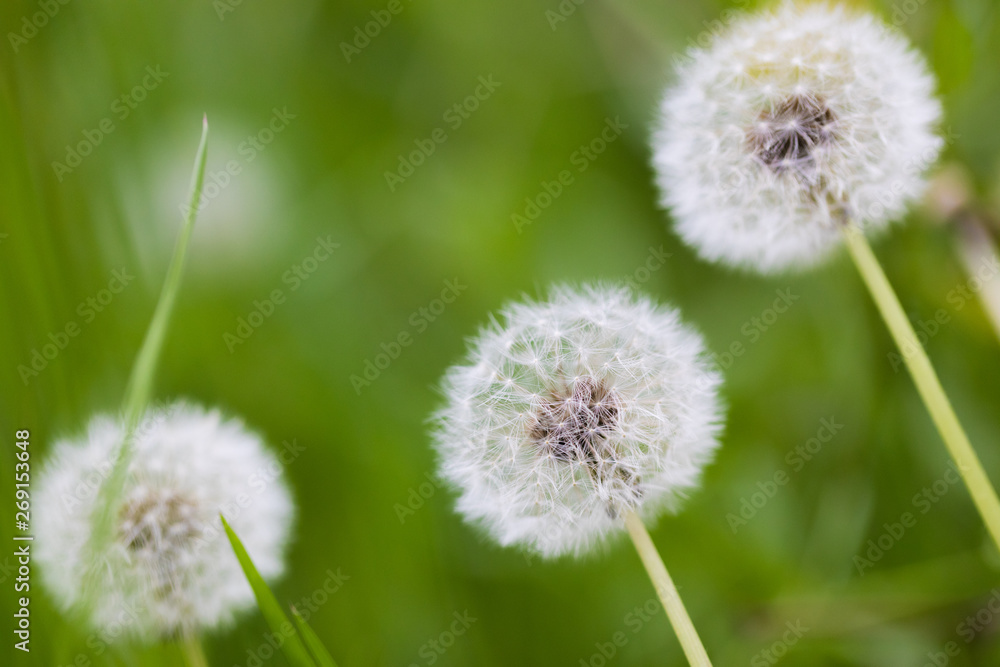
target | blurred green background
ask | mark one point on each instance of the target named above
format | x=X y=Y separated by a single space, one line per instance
x=557 y=74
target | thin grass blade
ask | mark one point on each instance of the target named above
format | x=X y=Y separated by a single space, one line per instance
x=144 y=368
x=312 y=641
x=293 y=647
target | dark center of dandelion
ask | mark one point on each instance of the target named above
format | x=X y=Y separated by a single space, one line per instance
x=158 y=523
x=784 y=136
x=573 y=426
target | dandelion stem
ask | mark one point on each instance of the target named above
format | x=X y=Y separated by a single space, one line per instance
x=983 y=494
x=667 y=592
x=194 y=654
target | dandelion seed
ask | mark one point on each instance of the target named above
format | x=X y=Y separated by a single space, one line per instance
x=830 y=116
x=826 y=156
x=170 y=570
x=574 y=412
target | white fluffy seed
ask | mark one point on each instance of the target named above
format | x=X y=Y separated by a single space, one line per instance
x=828 y=114
x=170 y=568
x=571 y=411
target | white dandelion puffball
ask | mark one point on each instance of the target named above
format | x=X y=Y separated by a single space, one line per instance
x=788 y=124
x=573 y=411
x=170 y=568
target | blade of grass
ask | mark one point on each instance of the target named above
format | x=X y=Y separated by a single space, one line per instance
x=313 y=642
x=293 y=647
x=140 y=381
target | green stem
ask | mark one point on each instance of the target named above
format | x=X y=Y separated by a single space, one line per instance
x=983 y=494
x=141 y=380
x=194 y=654
x=144 y=368
x=667 y=592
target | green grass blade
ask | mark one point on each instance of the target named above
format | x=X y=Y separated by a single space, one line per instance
x=141 y=380
x=319 y=652
x=293 y=647
x=143 y=371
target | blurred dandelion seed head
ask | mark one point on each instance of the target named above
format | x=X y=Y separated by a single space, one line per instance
x=785 y=124
x=170 y=562
x=237 y=227
x=571 y=411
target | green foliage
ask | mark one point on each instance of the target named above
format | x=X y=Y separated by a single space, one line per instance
x=291 y=645
x=314 y=643
x=143 y=375
x=364 y=482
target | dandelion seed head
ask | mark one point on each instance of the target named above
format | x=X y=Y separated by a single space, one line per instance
x=571 y=411
x=830 y=114
x=170 y=568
